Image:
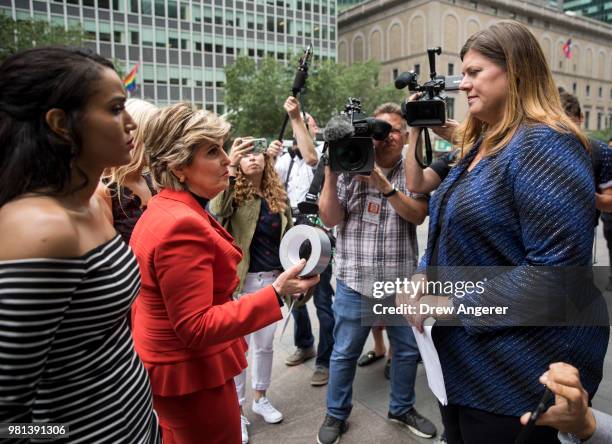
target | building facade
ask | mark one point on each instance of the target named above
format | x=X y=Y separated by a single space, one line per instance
x=182 y=46
x=397 y=33
x=595 y=9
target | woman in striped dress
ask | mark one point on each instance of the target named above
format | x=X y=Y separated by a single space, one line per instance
x=67 y=279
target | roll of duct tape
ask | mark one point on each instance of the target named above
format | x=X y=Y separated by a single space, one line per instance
x=320 y=246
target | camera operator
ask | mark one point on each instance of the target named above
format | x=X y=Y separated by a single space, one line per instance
x=376 y=218
x=296 y=169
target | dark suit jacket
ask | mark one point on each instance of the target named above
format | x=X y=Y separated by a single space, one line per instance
x=187 y=329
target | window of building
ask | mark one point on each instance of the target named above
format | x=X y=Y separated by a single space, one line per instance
x=451 y=69
x=118 y=36
x=134 y=37
x=174 y=81
x=574 y=88
x=270 y=24
x=220 y=84
x=218 y=16
x=218 y=49
x=251 y=52
x=173 y=42
x=588 y=90
x=260 y=53
x=220 y=109
x=208 y=47
x=229 y=50
x=587 y=117
x=198 y=46
x=600 y=92
x=395 y=73
x=207 y=14
x=417 y=69
x=198 y=83
x=146 y=7
x=208 y=84
x=599 y=119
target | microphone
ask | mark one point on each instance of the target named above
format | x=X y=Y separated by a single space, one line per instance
x=338 y=128
x=405 y=79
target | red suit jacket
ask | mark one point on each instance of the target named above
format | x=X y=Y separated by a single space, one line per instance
x=186 y=328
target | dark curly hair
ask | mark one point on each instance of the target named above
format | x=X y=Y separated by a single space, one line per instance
x=32 y=157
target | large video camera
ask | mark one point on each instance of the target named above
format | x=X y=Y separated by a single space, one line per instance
x=349 y=137
x=429 y=109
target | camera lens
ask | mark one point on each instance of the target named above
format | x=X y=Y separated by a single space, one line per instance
x=351 y=158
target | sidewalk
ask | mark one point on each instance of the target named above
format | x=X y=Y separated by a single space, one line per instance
x=303 y=406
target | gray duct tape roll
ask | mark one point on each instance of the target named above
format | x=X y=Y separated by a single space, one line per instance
x=320 y=255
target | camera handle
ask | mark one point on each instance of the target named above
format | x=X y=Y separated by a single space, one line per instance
x=309 y=205
x=428 y=150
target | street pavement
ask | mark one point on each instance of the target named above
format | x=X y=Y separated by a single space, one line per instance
x=303 y=406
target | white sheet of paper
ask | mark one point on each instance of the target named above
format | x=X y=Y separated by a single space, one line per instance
x=431 y=361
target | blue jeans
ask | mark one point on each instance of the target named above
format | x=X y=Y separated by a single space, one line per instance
x=302 y=331
x=350 y=336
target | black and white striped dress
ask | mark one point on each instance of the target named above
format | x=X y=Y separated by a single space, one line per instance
x=66 y=353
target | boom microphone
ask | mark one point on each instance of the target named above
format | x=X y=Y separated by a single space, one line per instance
x=338 y=128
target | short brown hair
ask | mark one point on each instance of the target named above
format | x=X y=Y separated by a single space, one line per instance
x=172 y=137
x=570 y=104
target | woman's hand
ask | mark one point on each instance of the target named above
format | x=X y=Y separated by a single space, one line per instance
x=240 y=148
x=275 y=148
x=447 y=130
x=289 y=283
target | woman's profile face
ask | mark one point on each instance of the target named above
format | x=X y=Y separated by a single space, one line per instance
x=486 y=86
x=252 y=164
x=105 y=130
x=208 y=173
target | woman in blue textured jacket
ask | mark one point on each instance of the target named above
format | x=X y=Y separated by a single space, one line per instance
x=521 y=196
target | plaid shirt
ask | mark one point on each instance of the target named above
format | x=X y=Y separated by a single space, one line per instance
x=367 y=252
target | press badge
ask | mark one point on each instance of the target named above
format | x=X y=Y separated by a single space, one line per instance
x=372 y=210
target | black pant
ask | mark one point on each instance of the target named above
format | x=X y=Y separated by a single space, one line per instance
x=471 y=426
x=607 y=230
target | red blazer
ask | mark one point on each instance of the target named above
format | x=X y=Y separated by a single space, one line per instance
x=186 y=328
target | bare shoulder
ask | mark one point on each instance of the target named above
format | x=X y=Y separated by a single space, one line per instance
x=37 y=227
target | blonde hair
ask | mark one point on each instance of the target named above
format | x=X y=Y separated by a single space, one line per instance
x=532 y=94
x=140 y=111
x=272 y=189
x=172 y=137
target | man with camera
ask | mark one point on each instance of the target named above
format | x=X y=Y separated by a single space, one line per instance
x=376 y=218
x=296 y=169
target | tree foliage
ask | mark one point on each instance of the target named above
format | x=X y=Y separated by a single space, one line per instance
x=254 y=95
x=18 y=35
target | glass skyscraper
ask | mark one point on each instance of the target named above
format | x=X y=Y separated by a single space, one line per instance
x=595 y=9
x=182 y=46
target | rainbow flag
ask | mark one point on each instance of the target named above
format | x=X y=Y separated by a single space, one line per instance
x=567 y=48
x=130 y=80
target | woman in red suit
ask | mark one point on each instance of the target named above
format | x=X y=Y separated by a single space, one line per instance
x=187 y=329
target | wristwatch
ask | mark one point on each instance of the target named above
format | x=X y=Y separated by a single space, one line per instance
x=390 y=193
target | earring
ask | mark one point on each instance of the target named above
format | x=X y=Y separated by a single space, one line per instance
x=182 y=179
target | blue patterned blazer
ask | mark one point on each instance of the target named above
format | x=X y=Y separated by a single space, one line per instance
x=530 y=205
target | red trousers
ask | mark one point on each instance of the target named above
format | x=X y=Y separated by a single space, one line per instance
x=206 y=416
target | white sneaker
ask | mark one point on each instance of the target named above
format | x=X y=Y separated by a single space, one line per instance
x=267 y=411
x=243 y=428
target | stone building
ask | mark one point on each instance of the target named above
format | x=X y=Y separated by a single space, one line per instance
x=397 y=33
